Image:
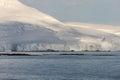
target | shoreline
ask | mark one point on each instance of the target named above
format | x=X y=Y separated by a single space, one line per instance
x=59 y=53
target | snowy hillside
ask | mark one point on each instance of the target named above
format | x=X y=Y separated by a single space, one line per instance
x=96 y=37
x=26 y=29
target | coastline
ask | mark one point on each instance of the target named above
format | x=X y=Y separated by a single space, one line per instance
x=60 y=53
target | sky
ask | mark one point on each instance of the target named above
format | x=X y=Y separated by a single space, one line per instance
x=86 y=11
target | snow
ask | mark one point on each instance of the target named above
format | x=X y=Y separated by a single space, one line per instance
x=23 y=28
x=103 y=37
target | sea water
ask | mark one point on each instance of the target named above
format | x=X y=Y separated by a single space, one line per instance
x=60 y=67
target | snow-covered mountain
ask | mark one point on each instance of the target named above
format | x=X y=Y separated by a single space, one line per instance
x=97 y=37
x=23 y=28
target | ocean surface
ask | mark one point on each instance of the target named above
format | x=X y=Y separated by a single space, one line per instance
x=60 y=67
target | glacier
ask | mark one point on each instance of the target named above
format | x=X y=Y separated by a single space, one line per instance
x=23 y=28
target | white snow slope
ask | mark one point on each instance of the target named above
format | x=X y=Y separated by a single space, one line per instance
x=26 y=29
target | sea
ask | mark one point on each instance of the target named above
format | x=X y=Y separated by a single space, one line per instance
x=60 y=67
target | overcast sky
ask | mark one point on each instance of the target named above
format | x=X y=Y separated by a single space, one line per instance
x=89 y=11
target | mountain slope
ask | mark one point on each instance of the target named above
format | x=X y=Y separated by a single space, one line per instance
x=23 y=28
x=25 y=25
x=97 y=37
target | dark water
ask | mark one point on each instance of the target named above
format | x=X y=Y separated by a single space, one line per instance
x=60 y=67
